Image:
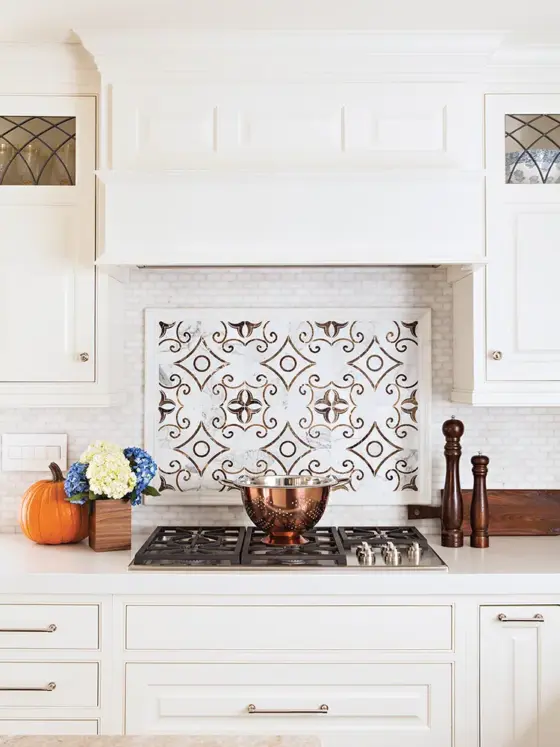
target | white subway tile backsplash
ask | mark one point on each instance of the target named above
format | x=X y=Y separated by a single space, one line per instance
x=522 y=443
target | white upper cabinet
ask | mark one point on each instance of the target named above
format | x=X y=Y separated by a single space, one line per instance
x=47 y=213
x=59 y=315
x=506 y=343
x=523 y=225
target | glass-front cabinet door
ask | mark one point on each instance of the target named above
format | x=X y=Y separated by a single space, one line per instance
x=523 y=237
x=47 y=235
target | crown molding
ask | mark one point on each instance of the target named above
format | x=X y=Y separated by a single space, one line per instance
x=307 y=55
x=47 y=67
x=333 y=56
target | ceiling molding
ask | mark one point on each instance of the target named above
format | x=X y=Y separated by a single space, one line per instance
x=333 y=56
x=47 y=67
x=284 y=55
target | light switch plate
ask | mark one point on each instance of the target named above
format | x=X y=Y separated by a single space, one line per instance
x=33 y=452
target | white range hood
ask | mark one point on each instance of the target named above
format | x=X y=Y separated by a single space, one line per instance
x=284 y=148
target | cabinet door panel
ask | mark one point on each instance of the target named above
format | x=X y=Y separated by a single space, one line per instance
x=388 y=704
x=519 y=676
x=523 y=293
x=47 y=274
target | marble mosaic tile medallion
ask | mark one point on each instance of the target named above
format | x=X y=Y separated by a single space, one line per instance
x=267 y=392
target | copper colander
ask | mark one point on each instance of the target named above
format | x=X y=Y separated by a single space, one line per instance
x=285 y=507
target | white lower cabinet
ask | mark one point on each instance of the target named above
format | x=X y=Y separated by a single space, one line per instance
x=367 y=680
x=48 y=727
x=520 y=676
x=345 y=703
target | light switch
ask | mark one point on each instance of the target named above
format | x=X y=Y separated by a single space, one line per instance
x=33 y=452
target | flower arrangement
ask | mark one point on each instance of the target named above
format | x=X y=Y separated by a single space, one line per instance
x=105 y=471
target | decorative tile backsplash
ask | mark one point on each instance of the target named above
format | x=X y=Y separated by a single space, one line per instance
x=487 y=429
x=339 y=392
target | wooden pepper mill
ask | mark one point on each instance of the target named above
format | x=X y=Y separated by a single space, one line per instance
x=479 y=506
x=452 y=499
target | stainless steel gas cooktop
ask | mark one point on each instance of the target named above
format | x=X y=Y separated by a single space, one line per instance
x=241 y=548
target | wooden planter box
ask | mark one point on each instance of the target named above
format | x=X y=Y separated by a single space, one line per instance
x=110 y=525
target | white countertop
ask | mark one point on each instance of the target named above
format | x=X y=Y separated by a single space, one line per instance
x=157 y=741
x=512 y=565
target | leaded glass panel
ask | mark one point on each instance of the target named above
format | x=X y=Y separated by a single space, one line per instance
x=37 y=150
x=532 y=148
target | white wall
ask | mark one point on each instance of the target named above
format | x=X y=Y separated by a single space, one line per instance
x=53 y=20
x=523 y=444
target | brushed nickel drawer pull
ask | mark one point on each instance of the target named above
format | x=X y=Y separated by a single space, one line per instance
x=47 y=689
x=252 y=708
x=538 y=618
x=49 y=629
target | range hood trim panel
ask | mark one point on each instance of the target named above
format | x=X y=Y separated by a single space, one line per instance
x=286 y=222
x=357 y=149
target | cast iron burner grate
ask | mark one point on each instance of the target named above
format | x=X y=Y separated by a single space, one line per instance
x=176 y=546
x=323 y=548
x=375 y=536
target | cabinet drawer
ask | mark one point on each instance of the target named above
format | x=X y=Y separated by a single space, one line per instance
x=49 y=626
x=30 y=684
x=395 y=628
x=363 y=704
x=47 y=726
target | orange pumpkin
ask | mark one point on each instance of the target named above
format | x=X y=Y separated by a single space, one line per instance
x=46 y=517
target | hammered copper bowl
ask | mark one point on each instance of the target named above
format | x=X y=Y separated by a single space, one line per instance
x=285 y=507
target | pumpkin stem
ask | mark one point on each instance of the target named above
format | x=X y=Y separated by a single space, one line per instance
x=56 y=472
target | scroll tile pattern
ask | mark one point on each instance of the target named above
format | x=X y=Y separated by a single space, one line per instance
x=267 y=393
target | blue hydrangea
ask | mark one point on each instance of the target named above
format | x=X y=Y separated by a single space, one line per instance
x=76 y=481
x=143 y=467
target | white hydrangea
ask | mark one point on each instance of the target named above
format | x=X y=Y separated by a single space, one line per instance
x=109 y=474
x=98 y=448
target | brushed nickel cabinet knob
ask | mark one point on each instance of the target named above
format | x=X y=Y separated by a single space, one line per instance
x=84 y=357
x=497 y=355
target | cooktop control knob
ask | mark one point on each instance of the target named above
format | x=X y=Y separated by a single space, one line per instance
x=365 y=554
x=393 y=557
x=414 y=553
x=387 y=549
